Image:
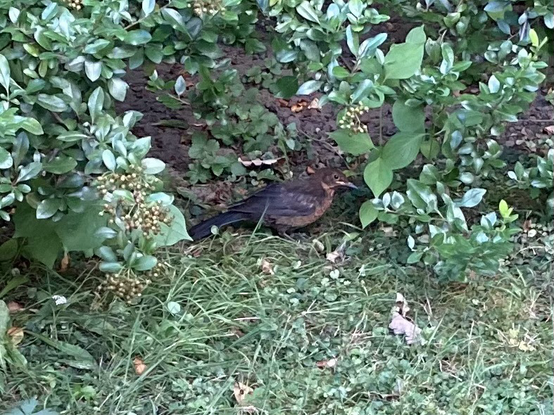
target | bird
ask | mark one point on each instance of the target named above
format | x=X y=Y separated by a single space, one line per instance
x=282 y=206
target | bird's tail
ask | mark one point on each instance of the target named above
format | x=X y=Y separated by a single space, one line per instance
x=204 y=229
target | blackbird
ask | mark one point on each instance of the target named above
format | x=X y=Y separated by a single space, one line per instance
x=282 y=206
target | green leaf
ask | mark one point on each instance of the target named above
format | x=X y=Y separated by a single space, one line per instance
x=352 y=143
x=414 y=257
x=309 y=87
x=60 y=165
x=340 y=72
x=401 y=150
x=362 y=90
x=8 y=251
x=33 y=126
x=5 y=73
x=175 y=19
x=370 y=45
x=504 y=209
x=93 y=70
x=111 y=267
x=177 y=232
x=356 y=7
x=416 y=35
x=286 y=86
x=404 y=60
x=109 y=159
x=29 y=171
x=367 y=213
x=352 y=40
x=471 y=198
x=118 y=88
x=138 y=37
x=6 y=160
x=306 y=10
x=148 y=6
x=51 y=103
x=152 y=165
x=96 y=46
x=145 y=263
x=48 y=208
x=96 y=103
x=421 y=195
x=408 y=119
x=78 y=231
x=378 y=176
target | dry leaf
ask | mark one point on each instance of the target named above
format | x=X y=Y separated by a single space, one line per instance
x=14 y=307
x=327 y=364
x=400 y=326
x=401 y=306
x=337 y=253
x=314 y=105
x=241 y=391
x=267 y=267
x=140 y=367
x=282 y=102
x=310 y=170
x=318 y=245
x=299 y=107
x=64 y=264
x=16 y=335
x=549 y=129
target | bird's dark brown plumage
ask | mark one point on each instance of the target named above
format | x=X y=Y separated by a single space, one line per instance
x=282 y=206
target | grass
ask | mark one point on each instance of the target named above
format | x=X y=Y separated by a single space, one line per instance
x=215 y=318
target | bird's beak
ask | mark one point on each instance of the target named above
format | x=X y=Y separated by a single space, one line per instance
x=348 y=184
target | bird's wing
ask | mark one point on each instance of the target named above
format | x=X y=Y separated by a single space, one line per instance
x=290 y=199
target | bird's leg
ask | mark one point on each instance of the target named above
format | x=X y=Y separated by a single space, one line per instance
x=290 y=234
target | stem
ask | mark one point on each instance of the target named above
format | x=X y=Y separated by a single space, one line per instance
x=381 y=125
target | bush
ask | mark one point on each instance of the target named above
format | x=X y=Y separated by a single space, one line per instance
x=74 y=177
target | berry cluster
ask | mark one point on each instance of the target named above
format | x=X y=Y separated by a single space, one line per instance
x=207 y=7
x=158 y=270
x=126 y=288
x=137 y=213
x=134 y=180
x=75 y=4
x=351 y=119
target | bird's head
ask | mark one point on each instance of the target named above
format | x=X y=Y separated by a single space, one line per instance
x=334 y=179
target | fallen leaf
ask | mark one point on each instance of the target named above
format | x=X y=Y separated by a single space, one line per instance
x=14 y=307
x=310 y=170
x=267 y=267
x=299 y=107
x=327 y=364
x=401 y=306
x=337 y=254
x=16 y=335
x=318 y=245
x=549 y=129
x=282 y=102
x=400 y=326
x=314 y=105
x=241 y=392
x=64 y=264
x=140 y=367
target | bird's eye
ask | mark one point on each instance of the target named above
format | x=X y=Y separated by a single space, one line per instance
x=335 y=176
